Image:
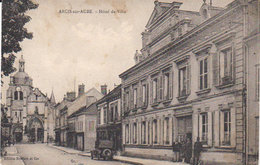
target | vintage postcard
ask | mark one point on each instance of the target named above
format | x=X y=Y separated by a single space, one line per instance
x=144 y=82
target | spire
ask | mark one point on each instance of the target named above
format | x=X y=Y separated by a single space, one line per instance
x=21 y=64
x=52 y=98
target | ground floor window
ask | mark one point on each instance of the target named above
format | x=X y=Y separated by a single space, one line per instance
x=127 y=133
x=143 y=132
x=227 y=127
x=155 y=133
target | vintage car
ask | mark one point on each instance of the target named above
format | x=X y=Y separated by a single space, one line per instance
x=103 y=149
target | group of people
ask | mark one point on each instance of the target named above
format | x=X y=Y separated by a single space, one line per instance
x=183 y=150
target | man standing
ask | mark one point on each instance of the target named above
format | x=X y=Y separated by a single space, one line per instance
x=197 y=151
x=188 y=150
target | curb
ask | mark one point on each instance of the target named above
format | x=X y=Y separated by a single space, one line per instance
x=115 y=159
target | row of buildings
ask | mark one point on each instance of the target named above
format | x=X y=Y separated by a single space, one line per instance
x=197 y=75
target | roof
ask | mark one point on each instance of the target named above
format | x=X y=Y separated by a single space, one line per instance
x=116 y=92
x=90 y=110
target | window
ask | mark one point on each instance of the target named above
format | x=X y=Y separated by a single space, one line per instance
x=143 y=132
x=127 y=100
x=21 y=95
x=116 y=113
x=144 y=94
x=148 y=128
x=203 y=74
x=179 y=31
x=227 y=127
x=111 y=113
x=226 y=66
x=155 y=133
x=135 y=98
x=16 y=95
x=204 y=136
x=183 y=81
x=135 y=133
x=166 y=85
x=166 y=129
x=105 y=115
x=91 y=125
x=99 y=117
x=155 y=86
x=127 y=133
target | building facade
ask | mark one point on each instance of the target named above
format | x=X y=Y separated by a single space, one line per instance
x=29 y=110
x=67 y=132
x=82 y=128
x=188 y=82
x=109 y=118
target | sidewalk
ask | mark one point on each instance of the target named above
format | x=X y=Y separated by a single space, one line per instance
x=11 y=157
x=125 y=159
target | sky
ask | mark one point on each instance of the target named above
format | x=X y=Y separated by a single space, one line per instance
x=68 y=49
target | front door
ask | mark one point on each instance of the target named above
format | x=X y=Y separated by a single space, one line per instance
x=184 y=127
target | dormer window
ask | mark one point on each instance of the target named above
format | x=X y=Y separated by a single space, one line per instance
x=205 y=14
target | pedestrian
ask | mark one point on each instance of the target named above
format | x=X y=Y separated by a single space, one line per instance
x=197 y=151
x=188 y=150
x=176 y=149
x=182 y=150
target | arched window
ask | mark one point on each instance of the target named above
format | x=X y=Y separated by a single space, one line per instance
x=16 y=95
x=21 y=95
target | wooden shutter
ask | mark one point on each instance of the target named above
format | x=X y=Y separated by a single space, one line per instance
x=139 y=95
x=161 y=88
x=147 y=94
x=188 y=79
x=131 y=93
x=215 y=67
x=151 y=92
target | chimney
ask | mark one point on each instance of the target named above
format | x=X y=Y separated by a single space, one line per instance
x=71 y=96
x=81 y=90
x=104 y=89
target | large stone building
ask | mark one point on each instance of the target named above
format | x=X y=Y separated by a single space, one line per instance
x=189 y=81
x=29 y=110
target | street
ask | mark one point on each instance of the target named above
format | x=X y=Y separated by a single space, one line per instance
x=41 y=154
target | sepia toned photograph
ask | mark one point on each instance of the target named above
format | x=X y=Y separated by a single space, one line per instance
x=130 y=82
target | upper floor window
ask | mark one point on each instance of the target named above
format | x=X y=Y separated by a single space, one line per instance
x=111 y=113
x=116 y=113
x=126 y=100
x=203 y=74
x=166 y=79
x=135 y=97
x=144 y=94
x=184 y=80
x=226 y=66
x=180 y=31
x=105 y=115
x=154 y=90
x=18 y=95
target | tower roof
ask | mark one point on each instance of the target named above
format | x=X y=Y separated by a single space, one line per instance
x=52 y=98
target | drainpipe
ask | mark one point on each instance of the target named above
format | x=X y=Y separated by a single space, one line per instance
x=245 y=84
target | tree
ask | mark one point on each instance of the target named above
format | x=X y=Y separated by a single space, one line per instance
x=13 y=31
